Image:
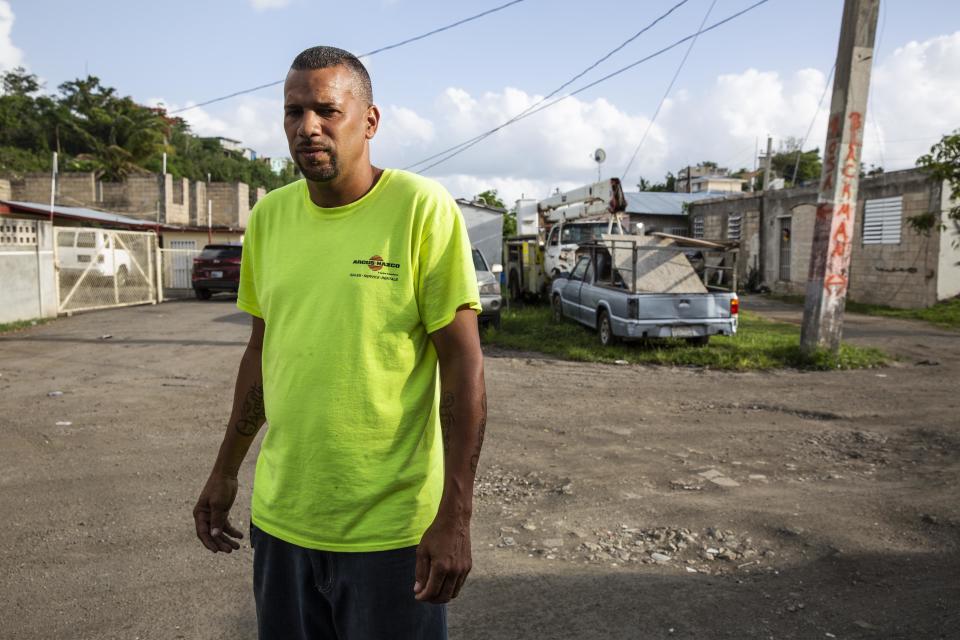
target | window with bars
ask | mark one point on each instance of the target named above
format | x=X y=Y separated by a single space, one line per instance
x=698 y=227
x=882 y=220
x=733 y=226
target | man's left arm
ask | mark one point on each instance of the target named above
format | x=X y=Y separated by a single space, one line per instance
x=444 y=556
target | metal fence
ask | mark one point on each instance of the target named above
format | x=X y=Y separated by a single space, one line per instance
x=102 y=268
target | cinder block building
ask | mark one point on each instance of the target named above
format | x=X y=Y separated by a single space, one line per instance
x=156 y=198
x=891 y=264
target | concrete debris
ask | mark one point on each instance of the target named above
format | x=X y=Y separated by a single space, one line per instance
x=724 y=481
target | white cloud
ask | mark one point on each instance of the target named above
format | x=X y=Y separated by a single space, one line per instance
x=532 y=157
x=10 y=56
x=256 y=122
x=264 y=5
x=915 y=99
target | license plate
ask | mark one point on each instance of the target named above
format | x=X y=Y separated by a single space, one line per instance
x=216 y=274
x=83 y=258
x=684 y=332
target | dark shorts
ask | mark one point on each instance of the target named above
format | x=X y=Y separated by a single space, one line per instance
x=304 y=594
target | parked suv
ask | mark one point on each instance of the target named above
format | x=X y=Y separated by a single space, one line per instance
x=217 y=268
x=489 y=286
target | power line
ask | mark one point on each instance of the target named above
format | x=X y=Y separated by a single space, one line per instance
x=603 y=79
x=826 y=87
x=566 y=84
x=362 y=55
x=666 y=93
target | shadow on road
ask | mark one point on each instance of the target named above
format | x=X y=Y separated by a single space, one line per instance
x=862 y=596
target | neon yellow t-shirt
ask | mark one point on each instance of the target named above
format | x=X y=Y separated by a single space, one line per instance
x=352 y=459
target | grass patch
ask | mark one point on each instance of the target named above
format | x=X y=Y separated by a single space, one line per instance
x=7 y=327
x=944 y=314
x=759 y=344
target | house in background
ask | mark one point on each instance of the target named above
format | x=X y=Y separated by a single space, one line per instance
x=660 y=211
x=891 y=264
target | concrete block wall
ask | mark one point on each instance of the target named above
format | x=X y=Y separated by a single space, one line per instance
x=198 y=204
x=900 y=275
x=906 y=275
x=176 y=206
x=73 y=189
x=179 y=201
x=27 y=284
x=231 y=203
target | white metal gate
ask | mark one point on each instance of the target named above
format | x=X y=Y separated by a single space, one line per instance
x=177 y=263
x=102 y=268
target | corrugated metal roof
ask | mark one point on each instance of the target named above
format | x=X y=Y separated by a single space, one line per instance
x=78 y=212
x=662 y=203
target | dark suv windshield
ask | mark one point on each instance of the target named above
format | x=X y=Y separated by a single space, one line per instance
x=220 y=253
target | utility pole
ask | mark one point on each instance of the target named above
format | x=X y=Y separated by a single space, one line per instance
x=767 y=163
x=833 y=230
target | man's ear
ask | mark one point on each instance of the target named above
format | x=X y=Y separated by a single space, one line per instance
x=373 y=121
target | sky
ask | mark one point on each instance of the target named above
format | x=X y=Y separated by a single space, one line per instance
x=761 y=74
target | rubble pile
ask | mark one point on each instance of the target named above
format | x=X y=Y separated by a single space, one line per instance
x=710 y=551
x=508 y=487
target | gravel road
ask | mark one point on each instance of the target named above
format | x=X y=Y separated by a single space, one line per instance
x=613 y=501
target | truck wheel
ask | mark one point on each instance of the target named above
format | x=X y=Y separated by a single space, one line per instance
x=699 y=341
x=122 y=276
x=202 y=294
x=514 y=287
x=605 y=329
x=556 y=306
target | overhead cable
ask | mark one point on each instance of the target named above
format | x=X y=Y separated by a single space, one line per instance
x=826 y=87
x=666 y=93
x=563 y=86
x=362 y=55
x=596 y=82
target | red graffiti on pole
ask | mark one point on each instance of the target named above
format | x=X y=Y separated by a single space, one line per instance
x=840 y=213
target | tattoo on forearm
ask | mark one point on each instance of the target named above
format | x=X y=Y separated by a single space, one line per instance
x=475 y=458
x=447 y=400
x=252 y=414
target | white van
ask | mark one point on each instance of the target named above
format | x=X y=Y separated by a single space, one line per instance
x=94 y=252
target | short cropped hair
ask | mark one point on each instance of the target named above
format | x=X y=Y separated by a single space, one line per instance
x=325 y=57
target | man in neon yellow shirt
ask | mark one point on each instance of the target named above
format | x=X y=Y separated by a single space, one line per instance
x=360 y=283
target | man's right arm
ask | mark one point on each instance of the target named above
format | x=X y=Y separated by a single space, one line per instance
x=211 y=511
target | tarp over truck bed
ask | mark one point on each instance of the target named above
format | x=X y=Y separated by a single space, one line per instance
x=662 y=267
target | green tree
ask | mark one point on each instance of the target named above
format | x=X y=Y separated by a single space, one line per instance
x=96 y=129
x=24 y=123
x=796 y=170
x=943 y=163
x=491 y=198
x=669 y=184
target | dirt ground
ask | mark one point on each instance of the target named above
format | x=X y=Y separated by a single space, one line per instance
x=613 y=502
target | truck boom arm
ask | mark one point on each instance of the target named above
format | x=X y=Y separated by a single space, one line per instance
x=604 y=197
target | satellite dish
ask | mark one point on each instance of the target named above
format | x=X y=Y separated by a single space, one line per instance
x=599 y=155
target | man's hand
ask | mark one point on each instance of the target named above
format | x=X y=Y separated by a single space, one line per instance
x=443 y=560
x=210 y=514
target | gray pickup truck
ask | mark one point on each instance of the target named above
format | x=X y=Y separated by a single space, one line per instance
x=645 y=287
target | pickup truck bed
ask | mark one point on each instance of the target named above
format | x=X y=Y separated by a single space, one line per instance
x=596 y=294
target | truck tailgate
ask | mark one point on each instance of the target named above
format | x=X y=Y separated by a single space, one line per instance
x=684 y=306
